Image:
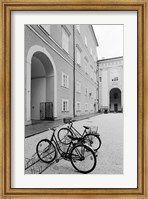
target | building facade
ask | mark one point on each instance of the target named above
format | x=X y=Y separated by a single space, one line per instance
x=110 y=80
x=60 y=71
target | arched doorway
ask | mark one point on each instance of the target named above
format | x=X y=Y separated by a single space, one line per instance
x=42 y=86
x=34 y=52
x=115 y=100
x=45 y=60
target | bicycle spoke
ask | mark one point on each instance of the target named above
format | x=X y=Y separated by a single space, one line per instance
x=93 y=141
x=63 y=135
x=46 y=151
x=83 y=159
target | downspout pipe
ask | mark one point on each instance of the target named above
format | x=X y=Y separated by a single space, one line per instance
x=74 y=71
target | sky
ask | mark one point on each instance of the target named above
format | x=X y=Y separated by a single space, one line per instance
x=110 y=40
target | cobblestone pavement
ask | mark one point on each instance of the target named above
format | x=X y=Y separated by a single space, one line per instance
x=41 y=126
x=110 y=155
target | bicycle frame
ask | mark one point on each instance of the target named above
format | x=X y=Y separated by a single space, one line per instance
x=75 y=131
x=62 y=153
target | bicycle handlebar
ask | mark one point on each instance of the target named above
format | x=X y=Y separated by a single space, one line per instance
x=71 y=121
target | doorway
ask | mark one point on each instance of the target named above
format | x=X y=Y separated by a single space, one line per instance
x=115 y=108
x=115 y=100
x=42 y=83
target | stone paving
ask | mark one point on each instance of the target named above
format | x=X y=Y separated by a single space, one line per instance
x=110 y=155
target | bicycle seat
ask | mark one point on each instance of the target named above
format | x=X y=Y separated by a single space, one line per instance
x=74 y=138
x=53 y=129
x=86 y=127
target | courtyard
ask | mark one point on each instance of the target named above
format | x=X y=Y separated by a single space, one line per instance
x=109 y=156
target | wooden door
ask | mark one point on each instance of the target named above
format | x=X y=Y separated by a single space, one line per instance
x=49 y=110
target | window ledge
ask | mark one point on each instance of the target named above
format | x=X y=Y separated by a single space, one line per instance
x=65 y=87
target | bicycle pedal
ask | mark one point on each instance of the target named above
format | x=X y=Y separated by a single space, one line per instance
x=57 y=160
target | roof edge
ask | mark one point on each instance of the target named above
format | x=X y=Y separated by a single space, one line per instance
x=94 y=35
x=109 y=58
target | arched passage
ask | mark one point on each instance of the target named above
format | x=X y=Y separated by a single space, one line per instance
x=42 y=86
x=115 y=100
x=41 y=82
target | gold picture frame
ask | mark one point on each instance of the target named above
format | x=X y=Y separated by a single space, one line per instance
x=6 y=6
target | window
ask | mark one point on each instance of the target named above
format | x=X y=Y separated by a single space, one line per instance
x=78 y=28
x=65 y=105
x=78 y=87
x=90 y=94
x=65 y=40
x=115 y=79
x=78 y=107
x=65 y=80
x=46 y=28
x=85 y=40
x=86 y=91
x=78 y=56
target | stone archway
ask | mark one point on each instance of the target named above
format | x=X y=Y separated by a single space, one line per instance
x=115 y=100
x=41 y=82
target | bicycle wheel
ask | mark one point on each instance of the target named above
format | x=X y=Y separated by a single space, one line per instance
x=83 y=158
x=46 y=151
x=63 y=135
x=93 y=141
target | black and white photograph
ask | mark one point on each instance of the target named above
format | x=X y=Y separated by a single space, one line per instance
x=73 y=99
x=74 y=103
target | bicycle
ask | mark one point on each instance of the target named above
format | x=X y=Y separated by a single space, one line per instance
x=82 y=157
x=92 y=139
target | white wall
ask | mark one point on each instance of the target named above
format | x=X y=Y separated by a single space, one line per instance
x=105 y=100
x=38 y=94
x=50 y=89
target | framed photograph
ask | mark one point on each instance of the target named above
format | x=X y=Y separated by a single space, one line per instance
x=73 y=99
